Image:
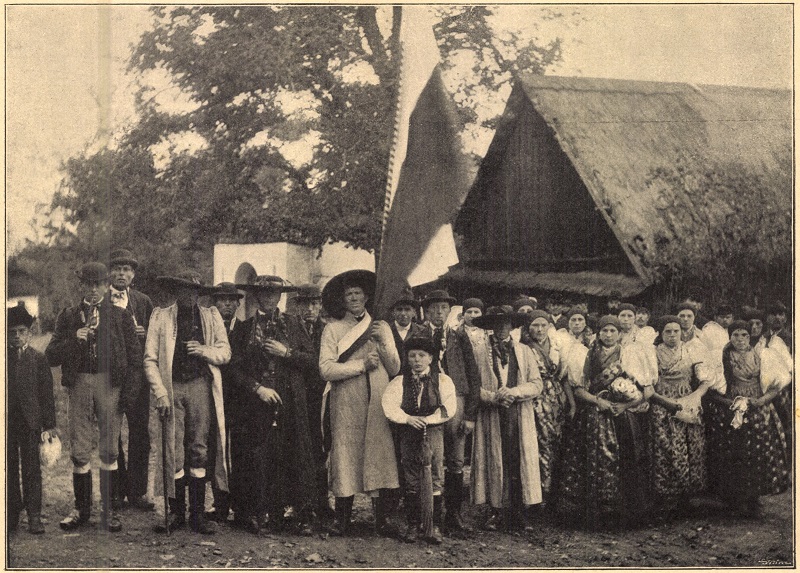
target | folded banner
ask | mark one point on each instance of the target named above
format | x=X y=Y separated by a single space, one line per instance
x=427 y=173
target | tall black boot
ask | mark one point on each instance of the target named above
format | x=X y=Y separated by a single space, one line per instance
x=177 y=507
x=343 y=510
x=197 y=505
x=82 y=487
x=454 y=499
x=109 y=519
x=380 y=506
x=411 y=504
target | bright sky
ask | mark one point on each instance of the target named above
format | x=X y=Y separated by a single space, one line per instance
x=58 y=59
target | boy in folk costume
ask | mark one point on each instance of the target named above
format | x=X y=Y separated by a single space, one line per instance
x=185 y=346
x=95 y=344
x=31 y=419
x=505 y=455
x=420 y=401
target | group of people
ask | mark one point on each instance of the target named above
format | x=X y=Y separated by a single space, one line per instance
x=563 y=413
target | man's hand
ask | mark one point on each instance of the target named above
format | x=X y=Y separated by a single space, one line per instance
x=376 y=331
x=194 y=348
x=371 y=361
x=140 y=331
x=163 y=406
x=269 y=395
x=275 y=348
x=83 y=333
x=417 y=422
x=467 y=426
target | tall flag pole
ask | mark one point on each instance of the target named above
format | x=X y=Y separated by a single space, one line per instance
x=427 y=179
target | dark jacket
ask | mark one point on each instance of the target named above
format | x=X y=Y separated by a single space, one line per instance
x=415 y=330
x=30 y=382
x=140 y=306
x=460 y=365
x=117 y=342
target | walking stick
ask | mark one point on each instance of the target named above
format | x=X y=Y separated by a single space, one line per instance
x=426 y=488
x=164 y=470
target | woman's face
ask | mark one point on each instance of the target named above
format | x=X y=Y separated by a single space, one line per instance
x=471 y=314
x=355 y=300
x=740 y=339
x=609 y=335
x=671 y=335
x=756 y=327
x=538 y=329
x=577 y=323
x=626 y=319
x=686 y=317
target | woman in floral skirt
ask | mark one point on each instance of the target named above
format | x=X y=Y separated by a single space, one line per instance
x=677 y=434
x=605 y=471
x=748 y=456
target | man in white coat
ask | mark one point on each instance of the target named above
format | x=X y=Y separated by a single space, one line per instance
x=185 y=346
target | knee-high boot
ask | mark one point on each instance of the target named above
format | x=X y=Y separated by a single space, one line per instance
x=82 y=487
x=344 y=511
x=109 y=520
x=197 y=506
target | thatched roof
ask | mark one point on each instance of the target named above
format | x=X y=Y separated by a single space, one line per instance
x=616 y=133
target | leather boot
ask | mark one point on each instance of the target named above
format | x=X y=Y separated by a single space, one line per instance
x=197 y=506
x=82 y=488
x=109 y=519
x=435 y=538
x=380 y=506
x=454 y=499
x=177 y=508
x=343 y=510
x=411 y=531
x=35 y=524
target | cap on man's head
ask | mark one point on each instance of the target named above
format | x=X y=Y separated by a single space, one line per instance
x=123 y=257
x=19 y=316
x=308 y=291
x=419 y=343
x=226 y=290
x=93 y=272
x=437 y=296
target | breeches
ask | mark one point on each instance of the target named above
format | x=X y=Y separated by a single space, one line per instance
x=411 y=447
x=455 y=440
x=192 y=424
x=92 y=395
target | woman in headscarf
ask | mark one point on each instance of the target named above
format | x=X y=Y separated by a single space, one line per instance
x=551 y=405
x=749 y=457
x=678 y=444
x=578 y=326
x=605 y=461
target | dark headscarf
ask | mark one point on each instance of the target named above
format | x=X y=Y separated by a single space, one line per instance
x=540 y=314
x=626 y=306
x=608 y=319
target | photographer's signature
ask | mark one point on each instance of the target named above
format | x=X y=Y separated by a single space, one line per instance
x=773 y=562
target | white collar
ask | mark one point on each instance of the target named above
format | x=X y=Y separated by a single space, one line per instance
x=402 y=328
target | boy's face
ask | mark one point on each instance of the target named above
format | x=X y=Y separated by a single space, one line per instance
x=437 y=313
x=471 y=314
x=419 y=360
x=403 y=314
x=19 y=336
x=93 y=291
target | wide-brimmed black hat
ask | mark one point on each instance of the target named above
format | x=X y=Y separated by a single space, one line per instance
x=406 y=298
x=93 y=272
x=438 y=296
x=123 y=257
x=420 y=343
x=19 y=316
x=308 y=291
x=184 y=279
x=333 y=293
x=267 y=282
x=225 y=289
x=496 y=315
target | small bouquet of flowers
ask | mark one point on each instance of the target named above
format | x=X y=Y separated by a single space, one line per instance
x=621 y=387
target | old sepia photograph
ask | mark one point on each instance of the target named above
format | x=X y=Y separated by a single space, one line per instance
x=413 y=286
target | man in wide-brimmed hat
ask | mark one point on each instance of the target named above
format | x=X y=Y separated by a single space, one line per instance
x=226 y=297
x=95 y=344
x=357 y=358
x=454 y=357
x=505 y=457
x=305 y=335
x=271 y=451
x=31 y=419
x=122 y=267
x=186 y=344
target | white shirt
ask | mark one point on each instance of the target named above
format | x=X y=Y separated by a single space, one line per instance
x=393 y=399
x=402 y=331
x=119 y=297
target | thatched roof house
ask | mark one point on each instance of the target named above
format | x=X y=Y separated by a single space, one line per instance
x=566 y=198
